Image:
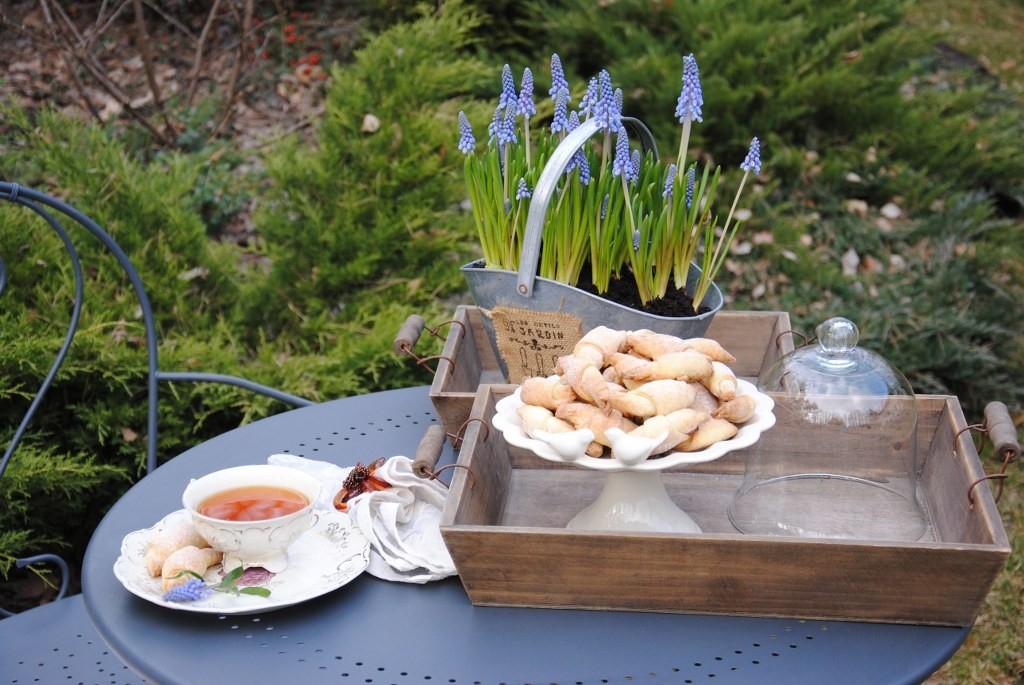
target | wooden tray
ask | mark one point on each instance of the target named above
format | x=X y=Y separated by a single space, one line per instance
x=504 y=525
x=469 y=360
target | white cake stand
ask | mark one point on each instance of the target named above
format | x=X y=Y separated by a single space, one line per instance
x=634 y=496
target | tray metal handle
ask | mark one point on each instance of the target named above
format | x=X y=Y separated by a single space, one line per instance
x=428 y=453
x=1001 y=431
x=409 y=334
x=545 y=190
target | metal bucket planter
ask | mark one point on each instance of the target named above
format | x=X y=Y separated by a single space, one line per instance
x=497 y=288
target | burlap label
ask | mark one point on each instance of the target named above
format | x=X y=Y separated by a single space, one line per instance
x=530 y=342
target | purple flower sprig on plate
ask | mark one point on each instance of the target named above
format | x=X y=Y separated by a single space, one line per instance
x=189 y=591
x=195 y=588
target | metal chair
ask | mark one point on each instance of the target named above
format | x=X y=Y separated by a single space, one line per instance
x=71 y=645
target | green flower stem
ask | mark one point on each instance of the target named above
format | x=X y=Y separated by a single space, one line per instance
x=526 y=139
x=735 y=200
x=698 y=216
x=713 y=259
x=507 y=151
x=711 y=263
x=684 y=143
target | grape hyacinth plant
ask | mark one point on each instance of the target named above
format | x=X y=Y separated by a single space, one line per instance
x=616 y=210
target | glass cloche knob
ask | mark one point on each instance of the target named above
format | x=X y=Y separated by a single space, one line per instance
x=837 y=336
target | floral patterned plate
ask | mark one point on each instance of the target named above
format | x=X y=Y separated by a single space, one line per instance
x=332 y=553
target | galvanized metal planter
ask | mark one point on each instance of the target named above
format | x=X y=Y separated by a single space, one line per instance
x=499 y=288
x=492 y=288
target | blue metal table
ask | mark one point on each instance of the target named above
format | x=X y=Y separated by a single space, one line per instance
x=372 y=631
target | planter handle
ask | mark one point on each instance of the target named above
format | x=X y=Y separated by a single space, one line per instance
x=548 y=182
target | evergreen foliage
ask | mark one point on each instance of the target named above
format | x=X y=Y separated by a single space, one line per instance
x=371 y=215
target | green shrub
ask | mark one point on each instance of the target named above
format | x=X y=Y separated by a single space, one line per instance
x=369 y=216
x=87 y=443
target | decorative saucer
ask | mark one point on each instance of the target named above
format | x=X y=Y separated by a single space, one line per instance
x=332 y=553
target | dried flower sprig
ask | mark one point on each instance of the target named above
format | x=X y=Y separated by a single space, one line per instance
x=613 y=206
x=195 y=588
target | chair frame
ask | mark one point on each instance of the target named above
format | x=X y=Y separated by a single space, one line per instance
x=45 y=206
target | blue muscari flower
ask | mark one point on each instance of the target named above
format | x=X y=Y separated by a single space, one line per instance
x=523 y=190
x=584 y=167
x=495 y=125
x=589 y=101
x=507 y=128
x=691 y=98
x=622 y=164
x=526 y=106
x=579 y=159
x=670 y=181
x=467 y=143
x=753 y=160
x=636 y=240
x=634 y=165
x=691 y=183
x=508 y=88
x=605 y=109
x=604 y=208
x=558 y=81
x=189 y=591
x=619 y=100
x=559 y=122
x=574 y=122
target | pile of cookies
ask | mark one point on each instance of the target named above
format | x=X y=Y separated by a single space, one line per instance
x=643 y=383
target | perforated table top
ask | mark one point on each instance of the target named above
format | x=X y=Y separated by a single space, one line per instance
x=372 y=631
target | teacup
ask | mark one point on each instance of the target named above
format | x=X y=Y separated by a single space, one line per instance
x=253 y=513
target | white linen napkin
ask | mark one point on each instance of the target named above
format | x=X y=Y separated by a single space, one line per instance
x=402 y=522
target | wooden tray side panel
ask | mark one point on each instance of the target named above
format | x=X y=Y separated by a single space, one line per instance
x=950 y=465
x=477 y=491
x=718 y=575
x=756 y=339
x=467 y=360
x=507 y=537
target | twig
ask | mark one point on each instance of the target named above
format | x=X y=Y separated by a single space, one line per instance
x=309 y=119
x=85 y=59
x=155 y=6
x=147 y=63
x=79 y=86
x=197 y=61
x=99 y=30
x=232 y=91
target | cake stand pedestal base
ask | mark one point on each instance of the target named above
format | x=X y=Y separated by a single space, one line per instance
x=634 y=501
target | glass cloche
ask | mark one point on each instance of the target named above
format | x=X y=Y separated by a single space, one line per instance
x=841 y=461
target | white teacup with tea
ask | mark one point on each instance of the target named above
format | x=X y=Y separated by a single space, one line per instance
x=253 y=513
